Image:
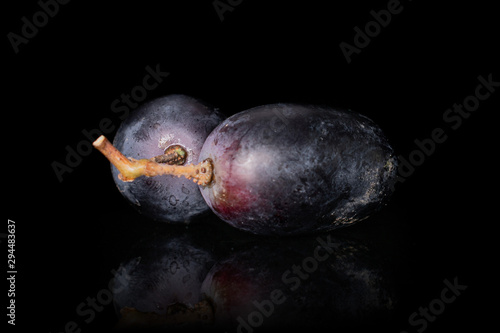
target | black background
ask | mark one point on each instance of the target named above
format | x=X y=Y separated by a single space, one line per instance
x=70 y=234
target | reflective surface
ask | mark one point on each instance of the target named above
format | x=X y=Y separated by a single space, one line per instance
x=213 y=277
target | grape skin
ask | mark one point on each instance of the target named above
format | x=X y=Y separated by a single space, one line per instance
x=147 y=132
x=286 y=169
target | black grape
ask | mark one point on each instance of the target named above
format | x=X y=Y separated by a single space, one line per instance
x=150 y=130
x=287 y=169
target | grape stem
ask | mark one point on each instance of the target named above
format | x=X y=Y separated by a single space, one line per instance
x=130 y=168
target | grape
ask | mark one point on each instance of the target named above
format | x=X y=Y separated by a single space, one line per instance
x=273 y=285
x=216 y=278
x=163 y=123
x=287 y=169
x=163 y=274
x=279 y=169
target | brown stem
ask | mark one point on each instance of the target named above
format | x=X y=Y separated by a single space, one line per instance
x=130 y=169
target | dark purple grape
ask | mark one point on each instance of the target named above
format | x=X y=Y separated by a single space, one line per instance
x=148 y=132
x=215 y=278
x=299 y=283
x=290 y=169
x=166 y=271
